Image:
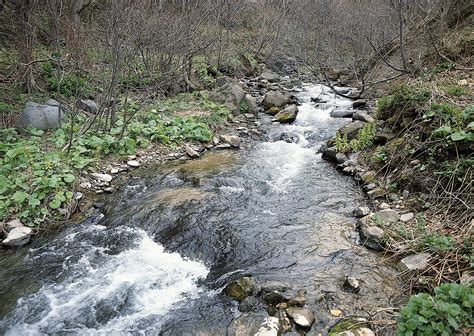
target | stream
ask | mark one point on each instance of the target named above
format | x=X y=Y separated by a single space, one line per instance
x=156 y=261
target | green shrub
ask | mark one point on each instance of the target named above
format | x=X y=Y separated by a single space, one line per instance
x=404 y=98
x=380 y=155
x=436 y=242
x=448 y=311
x=455 y=90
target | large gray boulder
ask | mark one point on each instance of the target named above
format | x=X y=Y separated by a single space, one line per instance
x=18 y=236
x=276 y=99
x=230 y=93
x=352 y=129
x=43 y=117
x=342 y=113
x=270 y=76
x=251 y=103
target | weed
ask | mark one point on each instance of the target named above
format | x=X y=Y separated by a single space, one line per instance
x=449 y=310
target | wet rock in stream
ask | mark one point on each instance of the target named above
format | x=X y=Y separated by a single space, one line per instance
x=241 y=288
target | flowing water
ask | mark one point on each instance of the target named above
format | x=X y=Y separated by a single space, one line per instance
x=156 y=261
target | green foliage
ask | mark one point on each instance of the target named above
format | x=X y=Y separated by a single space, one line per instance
x=455 y=90
x=244 y=107
x=69 y=83
x=456 y=124
x=380 y=155
x=436 y=242
x=442 y=67
x=403 y=98
x=203 y=77
x=448 y=311
x=365 y=138
x=342 y=144
x=34 y=183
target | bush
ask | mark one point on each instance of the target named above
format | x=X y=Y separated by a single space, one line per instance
x=449 y=310
x=405 y=98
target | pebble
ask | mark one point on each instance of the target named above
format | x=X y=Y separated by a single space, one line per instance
x=85 y=185
x=133 y=163
x=114 y=170
x=384 y=206
x=335 y=312
x=408 y=217
x=102 y=177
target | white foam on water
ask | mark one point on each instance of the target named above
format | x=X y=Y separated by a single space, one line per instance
x=283 y=161
x=231 y=190
x=127 y=288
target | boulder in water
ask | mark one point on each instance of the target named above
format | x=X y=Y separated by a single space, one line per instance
x=232 y=140
x=287 y=115
x=359 y=103
x=241 y=288
x=362 y=116
x=256 y=324
x=18 y=236
x=251 y=103
x=352 y=129
x=342 y=113
x=270 y=76
x=301 y=316
x=275 y=99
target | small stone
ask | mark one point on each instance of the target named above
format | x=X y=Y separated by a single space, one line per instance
x=372 y=237
x=85 y=185
x=388 y=215
x=13 y=224
x=405 y=193
x=109 y=190
x=223 y=146
x=415 y=262
x=370 y=186
x=18 y=236
x=351 y=284
x=376 y=193
x=133 y=163
x=408 y=217
x=249 y=304
x=298 y=301
x=215 y=141
x=384 y=206
x=463 y=82
x=361 y=212
x=78 y=196
x=415 y=162
x=272 y=286
x=191 y=152
x=467 y=277
x=362 y=116
x=359 y=103
x=301 y=316
x=335 y=312
x=368 y=177
x=274 y=298
x=233 y=140
x=114 y=171
x=102 y=177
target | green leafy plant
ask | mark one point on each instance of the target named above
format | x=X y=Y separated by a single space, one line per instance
x=380 y=154
x=449 y=310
